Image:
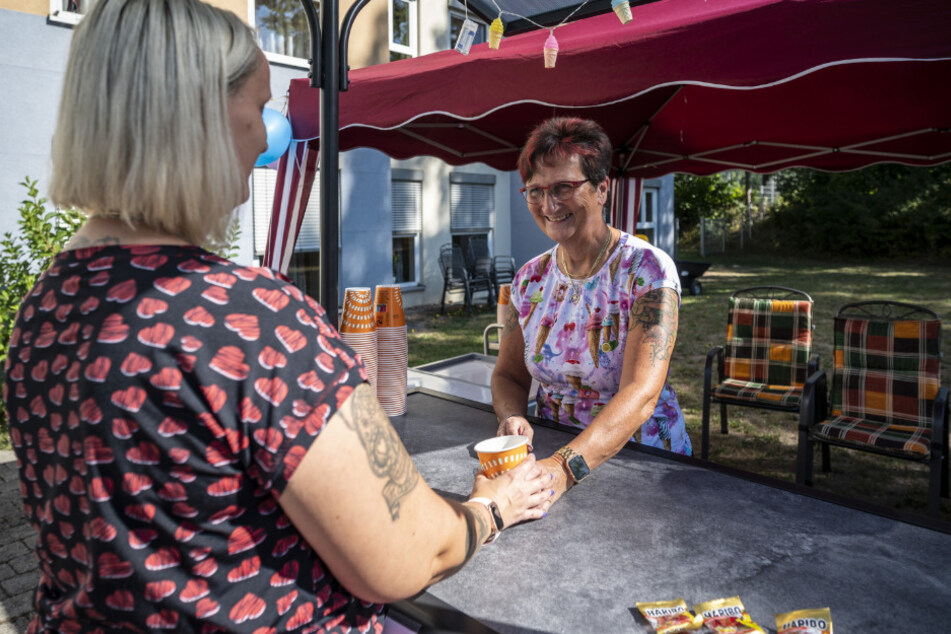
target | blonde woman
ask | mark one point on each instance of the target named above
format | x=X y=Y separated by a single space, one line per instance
x=198 y=450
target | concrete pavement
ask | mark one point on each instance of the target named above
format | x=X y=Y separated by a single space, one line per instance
x=18 y=569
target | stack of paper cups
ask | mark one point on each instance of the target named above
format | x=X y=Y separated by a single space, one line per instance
x=358 y=328
x=392 y=351
x=505 y=296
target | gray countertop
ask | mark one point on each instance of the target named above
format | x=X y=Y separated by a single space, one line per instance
x=644 y=527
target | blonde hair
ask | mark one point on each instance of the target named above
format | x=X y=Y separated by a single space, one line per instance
x=143 y=128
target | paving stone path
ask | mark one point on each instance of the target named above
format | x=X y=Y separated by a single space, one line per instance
x=18 y=570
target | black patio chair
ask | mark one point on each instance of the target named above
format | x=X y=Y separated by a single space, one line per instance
x=481 y=279
x=886 y=397
x=503 y=270
x=475 y=251
x=455 y=277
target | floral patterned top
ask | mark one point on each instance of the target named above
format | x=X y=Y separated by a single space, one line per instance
x=575 y=336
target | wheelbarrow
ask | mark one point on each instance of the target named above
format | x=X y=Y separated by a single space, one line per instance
x=689 y=272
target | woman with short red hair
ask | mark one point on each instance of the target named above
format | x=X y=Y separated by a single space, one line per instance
x=594 y=319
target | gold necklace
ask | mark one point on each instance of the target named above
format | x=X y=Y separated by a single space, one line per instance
x=576 y=288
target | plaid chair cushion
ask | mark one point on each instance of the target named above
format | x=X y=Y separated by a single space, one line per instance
x=912 y=440
x=886 y=371
x=768 y=341
x=779 y=395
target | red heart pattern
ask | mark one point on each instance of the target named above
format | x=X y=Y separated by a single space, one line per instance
x=273 y=299
x=245 y=325
x=271 y=358
x=122 y=292
x=199 y=316
x=155 y=436
x=229 y=362
x=157 y=336
x=150 y=307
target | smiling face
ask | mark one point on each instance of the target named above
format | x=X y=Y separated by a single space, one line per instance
x=245 y=109
x=577 y=219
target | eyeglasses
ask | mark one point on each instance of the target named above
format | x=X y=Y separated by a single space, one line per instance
x=559 y=191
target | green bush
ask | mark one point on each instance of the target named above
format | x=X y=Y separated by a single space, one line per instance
x=43 y=233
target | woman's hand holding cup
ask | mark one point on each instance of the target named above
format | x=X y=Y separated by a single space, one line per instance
x=521 y=493
x=516 y=425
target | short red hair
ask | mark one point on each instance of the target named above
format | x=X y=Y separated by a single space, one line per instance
x=558 y=138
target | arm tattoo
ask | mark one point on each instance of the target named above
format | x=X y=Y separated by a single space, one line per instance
x=386 y=454
x=477 y=531
x=511 y=325
x=654 y=313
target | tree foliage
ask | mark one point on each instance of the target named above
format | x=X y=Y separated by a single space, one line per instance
x=42 y=234
x=884 y=210
x=721 y=196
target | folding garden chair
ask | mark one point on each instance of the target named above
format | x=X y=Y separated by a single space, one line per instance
x=767 y=356
x=503 y=270
x=886 y=397
x=455 y=277
x=492 y=339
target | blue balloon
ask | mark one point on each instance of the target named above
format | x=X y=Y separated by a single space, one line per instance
x=278 y=137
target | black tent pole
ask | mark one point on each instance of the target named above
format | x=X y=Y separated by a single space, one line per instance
x=328 y=69
x=329 y=161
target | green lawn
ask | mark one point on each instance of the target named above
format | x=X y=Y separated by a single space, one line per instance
x=759 y=441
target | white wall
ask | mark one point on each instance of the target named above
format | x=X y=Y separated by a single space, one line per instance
x=32 y=61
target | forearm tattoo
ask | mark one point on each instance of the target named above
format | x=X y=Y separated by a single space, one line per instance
x=477 y=531
x=510 y=326
x=387 y=457
x=655 y=314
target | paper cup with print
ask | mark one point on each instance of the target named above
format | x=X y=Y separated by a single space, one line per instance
x=500 y=454
x=358 y=317
x=358 y=328
x=389 y=306
x=505 y=296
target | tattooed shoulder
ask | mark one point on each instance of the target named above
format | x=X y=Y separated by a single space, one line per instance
x=386 y=455
x=82 y=242
x=655 y=313
x=511 y=325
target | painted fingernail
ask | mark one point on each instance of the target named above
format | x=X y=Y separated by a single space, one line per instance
x=551 y=492
x=545 y=514
x=551 y=476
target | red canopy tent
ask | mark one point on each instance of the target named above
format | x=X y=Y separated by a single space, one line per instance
x=689 y=86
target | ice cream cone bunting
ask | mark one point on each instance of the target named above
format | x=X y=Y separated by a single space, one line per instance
x=551 y=50
x=622 y=9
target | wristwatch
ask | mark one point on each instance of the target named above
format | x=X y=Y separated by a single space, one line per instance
x=498 y=523
x=575 y=463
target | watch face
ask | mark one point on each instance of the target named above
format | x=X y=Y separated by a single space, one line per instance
x=579 y=468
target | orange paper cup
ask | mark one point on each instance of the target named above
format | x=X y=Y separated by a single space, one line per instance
x=505 y=297
x=505 y=293
x=502 y=453
x=389 y=307
x=357 y=311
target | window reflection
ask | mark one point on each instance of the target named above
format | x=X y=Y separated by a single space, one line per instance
x=401 y=18
x=282 y=27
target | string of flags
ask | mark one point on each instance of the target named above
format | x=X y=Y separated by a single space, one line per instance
x=622 y=8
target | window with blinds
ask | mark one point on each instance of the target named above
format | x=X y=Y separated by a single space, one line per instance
x=406 y=197
x=407 y=206
x=472 y=206
x=263 y=183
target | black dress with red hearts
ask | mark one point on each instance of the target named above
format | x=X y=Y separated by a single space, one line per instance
x=159 y=399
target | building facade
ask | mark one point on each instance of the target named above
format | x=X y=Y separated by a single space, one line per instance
x=394 y=215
